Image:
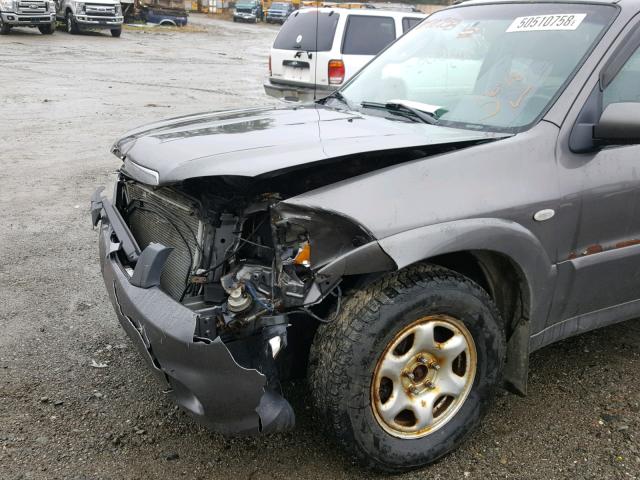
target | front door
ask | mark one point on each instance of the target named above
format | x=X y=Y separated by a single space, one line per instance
x=599 y=267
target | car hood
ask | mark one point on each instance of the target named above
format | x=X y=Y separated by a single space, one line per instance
x=256 y=142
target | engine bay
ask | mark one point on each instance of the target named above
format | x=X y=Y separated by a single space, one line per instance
x=242 y=260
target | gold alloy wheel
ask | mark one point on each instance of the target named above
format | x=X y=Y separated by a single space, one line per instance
x=423 y=376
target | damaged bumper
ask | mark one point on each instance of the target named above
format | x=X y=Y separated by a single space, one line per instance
x=203 y=377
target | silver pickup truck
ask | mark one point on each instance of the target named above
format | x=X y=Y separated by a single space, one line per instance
x=95 y=15
x=40 y=14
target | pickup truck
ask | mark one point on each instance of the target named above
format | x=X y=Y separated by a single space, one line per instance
x=92 y=15
x=40 y=14
x=406 y=243
x=248 y=11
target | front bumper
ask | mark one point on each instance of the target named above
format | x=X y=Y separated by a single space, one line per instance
x=203 y=377
x=89 y=22
x=293 y=92
x=275 y=18
x=246 y=17
x=22 y=19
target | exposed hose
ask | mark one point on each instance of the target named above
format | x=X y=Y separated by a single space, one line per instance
x=338 y=293
x=254 y=294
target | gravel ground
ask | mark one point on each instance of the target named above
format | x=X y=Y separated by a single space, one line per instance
x=64 y=99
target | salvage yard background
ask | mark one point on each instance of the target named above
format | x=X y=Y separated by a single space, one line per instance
x=76 y=400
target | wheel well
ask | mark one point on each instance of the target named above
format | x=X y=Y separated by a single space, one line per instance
x=498 y=275
x=168 y=22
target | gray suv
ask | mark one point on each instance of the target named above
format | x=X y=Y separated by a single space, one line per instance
x=467 y=198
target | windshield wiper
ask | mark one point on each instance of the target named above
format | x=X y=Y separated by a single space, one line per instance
x=341 y=98
x=407 y=110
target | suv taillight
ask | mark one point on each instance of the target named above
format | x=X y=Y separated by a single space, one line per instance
x=269 y=65
x=336 y=72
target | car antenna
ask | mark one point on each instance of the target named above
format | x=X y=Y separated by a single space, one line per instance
x=315 y=64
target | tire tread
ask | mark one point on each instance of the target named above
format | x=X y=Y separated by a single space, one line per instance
x=331 y=351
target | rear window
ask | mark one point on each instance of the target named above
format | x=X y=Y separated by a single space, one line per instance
x=409 y=22
x=366 y=35
x=299 y=32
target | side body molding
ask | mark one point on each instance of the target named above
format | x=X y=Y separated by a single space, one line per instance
x=495 y=235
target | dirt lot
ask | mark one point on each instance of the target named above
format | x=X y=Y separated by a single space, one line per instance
x=64 y=99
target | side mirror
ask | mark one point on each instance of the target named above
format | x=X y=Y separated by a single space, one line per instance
x=618 y=125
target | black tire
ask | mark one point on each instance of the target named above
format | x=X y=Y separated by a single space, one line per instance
x=71 y=24
x=235 y=19
x=47 y=29
x=116 y=32
x=345 y=353
x=4 y=28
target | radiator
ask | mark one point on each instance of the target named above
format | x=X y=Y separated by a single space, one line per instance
x=165 y=216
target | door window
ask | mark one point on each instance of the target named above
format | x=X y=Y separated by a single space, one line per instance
x=409 y=22
x=366 y=35
x=626 y=86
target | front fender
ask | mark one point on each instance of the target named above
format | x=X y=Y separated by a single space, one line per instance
x=495 y=235
x=487 y=234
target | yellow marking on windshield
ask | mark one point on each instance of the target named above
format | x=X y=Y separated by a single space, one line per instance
x=510 y=80
x=498 y=104
x=518 y=101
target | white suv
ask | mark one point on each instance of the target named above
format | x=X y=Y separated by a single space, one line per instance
x=318 y=49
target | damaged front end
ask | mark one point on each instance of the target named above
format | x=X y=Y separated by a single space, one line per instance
x=222 y=284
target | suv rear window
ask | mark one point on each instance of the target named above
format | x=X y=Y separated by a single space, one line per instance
x=409 y=22
x=366 y=35
x=299 y=32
